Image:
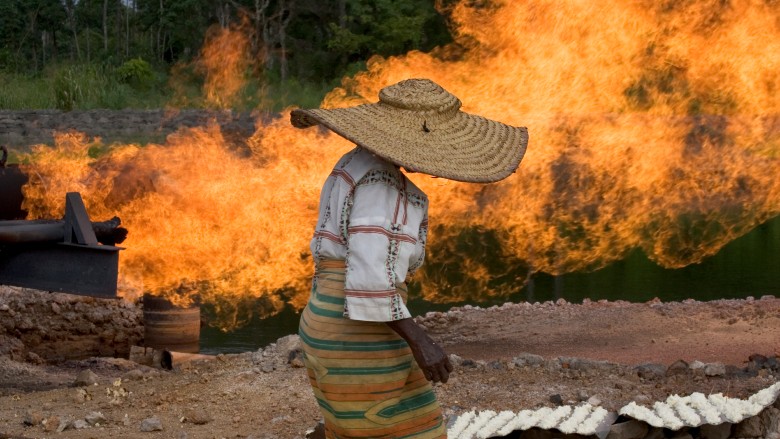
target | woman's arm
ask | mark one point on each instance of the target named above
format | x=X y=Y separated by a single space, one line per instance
x=429 y=356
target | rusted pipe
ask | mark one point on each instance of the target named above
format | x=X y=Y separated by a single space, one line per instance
x=33 y=231
x=163 y=358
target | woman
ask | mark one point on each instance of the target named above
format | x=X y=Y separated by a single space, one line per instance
x=369 y=364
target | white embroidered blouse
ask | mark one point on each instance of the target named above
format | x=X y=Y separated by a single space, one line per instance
x=376 y=220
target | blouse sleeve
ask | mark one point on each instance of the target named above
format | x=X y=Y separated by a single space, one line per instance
x=375 y=236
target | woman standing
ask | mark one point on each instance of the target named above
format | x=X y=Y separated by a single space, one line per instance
x=369 y=364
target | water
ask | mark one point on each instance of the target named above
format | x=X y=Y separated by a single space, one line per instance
x=748 y=266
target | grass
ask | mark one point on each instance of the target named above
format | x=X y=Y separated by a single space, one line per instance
x=90 y=86
x=20 y=92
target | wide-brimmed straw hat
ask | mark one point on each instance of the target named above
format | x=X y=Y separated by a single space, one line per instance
x=418 y=125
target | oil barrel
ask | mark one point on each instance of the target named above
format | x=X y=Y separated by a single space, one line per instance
x=170 y=327
x=11 y=181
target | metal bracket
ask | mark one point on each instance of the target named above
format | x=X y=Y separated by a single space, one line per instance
x=78 y=228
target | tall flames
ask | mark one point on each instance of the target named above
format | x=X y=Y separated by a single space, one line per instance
x=652 y=124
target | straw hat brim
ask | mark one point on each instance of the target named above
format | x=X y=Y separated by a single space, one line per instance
x=462 y=147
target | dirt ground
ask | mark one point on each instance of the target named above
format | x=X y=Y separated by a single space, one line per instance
x=513 y=357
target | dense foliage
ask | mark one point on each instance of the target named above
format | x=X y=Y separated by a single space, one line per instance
x=136 y=44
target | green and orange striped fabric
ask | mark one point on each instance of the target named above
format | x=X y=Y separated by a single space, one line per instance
x=363 y=374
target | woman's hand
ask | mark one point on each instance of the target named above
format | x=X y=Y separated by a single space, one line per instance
x=429 y=356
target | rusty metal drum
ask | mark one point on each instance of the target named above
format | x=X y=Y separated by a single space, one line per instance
x=170 y=327
x=11 y=181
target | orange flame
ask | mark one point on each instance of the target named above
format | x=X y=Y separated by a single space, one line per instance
x=225 y=60
x=652 y=125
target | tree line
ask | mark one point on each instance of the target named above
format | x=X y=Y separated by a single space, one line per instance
x=310 y=40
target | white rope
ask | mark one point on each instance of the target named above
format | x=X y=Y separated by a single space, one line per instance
x=676 y=412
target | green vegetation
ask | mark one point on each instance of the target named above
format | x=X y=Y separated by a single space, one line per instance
x=86 y=54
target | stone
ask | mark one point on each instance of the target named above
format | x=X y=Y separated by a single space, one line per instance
x=86 y=378
x=198 y=416
x=133 y=375
x=82 y=395
x=95 y=418
x=295 y=358
x=151 y=424
x=526 y=359
x=632 y=429
x=594 y=401
x=655 y=433
x=495 y=365
x=679 y=367
x=50 y=424
x=642 y=399
x=650 y=371
x=34 y=358
x=720 y=431
x=770 y=419
x=287 y=344
x=556 y=399
x=749 y=428
x=64 y=424
x=696 y=365
x=715 y=369
x=537 y=433
x=468 y=363
x=32 y=417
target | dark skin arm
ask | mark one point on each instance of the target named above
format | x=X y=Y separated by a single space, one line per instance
x=429 y=356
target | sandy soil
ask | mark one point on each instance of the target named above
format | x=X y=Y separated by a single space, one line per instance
x=588 y=351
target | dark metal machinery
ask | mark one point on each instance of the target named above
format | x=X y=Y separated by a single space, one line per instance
x=62 y=256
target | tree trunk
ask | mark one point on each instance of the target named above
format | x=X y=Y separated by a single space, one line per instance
x=261 y=30
x=44 y=39
x=127 y=28
x=343 y=25
x=70 y=10
x=105 y=26
x=223 y=14
x=285 y=12
x=342 y=14
x=55 y=54
x=159 y=32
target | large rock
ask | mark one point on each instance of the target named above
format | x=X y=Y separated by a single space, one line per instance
x=86 y=378
x=628 y=430
x=765 y=424
x=197 y=416
x=720 y=431
x=151 y=424
x=715 y=369
x=651 y=371
x=526 y=359
x=288 y=344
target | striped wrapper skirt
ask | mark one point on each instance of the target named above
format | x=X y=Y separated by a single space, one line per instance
x=363 y=374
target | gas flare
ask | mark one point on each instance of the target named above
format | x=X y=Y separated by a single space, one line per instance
x=652 y=125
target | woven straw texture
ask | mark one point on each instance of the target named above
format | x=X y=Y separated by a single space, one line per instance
x=418 y=125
